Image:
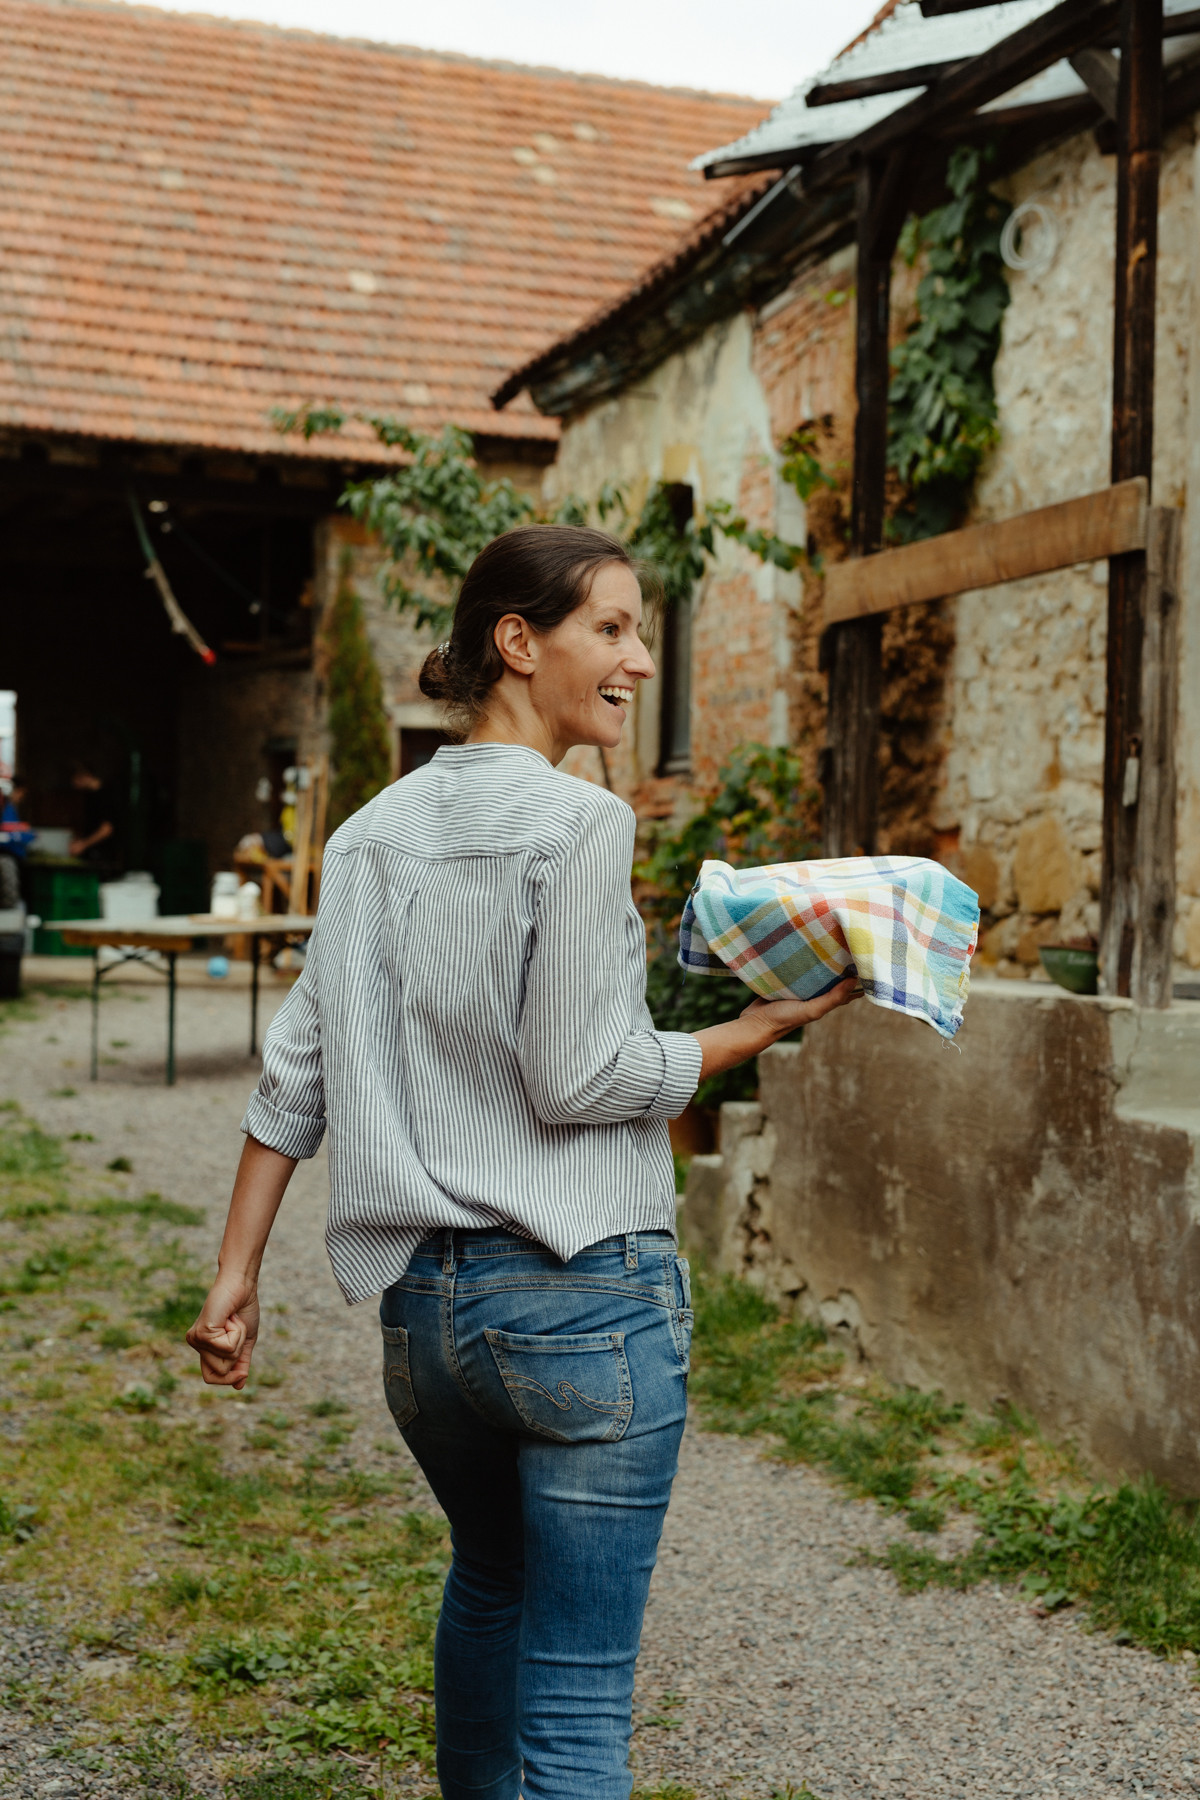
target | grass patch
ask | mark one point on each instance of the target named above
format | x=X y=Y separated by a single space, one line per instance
x=28 y=1153
x=1130 y=1555
x=178 y=1311
x=150 y=1206
x=286 y=1604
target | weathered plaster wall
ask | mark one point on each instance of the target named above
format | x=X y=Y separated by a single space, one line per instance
x=1036 y=1236
x=1024 y=722
x=702 y=419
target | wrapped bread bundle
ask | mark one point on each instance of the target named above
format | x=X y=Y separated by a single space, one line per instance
x=904 y=925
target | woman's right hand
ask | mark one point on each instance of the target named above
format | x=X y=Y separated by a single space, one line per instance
x=226 y=1331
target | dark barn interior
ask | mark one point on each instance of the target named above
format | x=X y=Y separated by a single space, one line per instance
x=187 y=751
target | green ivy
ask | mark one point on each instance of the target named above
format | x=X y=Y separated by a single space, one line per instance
x=942 y=413
x=358 y=724
x=801 y=467
x=762 y=812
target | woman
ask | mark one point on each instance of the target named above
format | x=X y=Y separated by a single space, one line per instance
x=471 y=1024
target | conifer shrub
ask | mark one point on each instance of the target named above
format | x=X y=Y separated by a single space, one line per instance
x=360 y=751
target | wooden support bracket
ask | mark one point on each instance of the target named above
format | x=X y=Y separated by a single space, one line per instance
x=1095 y=526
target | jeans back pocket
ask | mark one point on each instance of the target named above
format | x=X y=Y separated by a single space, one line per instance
x=574 y=1389
x=397 y=1381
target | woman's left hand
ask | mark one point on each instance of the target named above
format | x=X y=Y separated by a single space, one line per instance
x=789 y=1015
x=762 y=1024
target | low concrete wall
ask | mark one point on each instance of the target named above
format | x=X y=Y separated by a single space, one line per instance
x=1017 y=1214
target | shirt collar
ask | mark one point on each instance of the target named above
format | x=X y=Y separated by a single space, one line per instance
x=489 y=752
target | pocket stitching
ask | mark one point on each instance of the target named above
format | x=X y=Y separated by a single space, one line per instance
x=619 y=1412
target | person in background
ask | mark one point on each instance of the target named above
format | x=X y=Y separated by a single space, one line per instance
x=98 y=828
x=15 y=839
x=17 y=836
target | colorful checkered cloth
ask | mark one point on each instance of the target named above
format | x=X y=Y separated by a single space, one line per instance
x=905 y=926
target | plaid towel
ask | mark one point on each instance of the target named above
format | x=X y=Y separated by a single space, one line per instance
x=906 y=927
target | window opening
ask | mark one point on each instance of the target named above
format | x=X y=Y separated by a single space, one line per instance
x=675 y=659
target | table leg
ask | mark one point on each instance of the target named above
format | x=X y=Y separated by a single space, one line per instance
x=171 y=1018
x=255 y=944
x=95 y=1012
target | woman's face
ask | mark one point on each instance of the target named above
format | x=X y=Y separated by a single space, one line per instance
x=587 y=669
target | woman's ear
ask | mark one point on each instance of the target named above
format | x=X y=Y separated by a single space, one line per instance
x=516 y=643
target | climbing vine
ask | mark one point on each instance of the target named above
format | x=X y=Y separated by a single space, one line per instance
x=942 y=412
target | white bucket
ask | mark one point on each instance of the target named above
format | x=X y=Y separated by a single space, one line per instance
x=131 y=901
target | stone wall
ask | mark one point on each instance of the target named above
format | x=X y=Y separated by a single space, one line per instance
x=1024 y=715
x=1016 y=1215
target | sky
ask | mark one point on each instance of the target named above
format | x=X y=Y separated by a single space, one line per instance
x=763 y=49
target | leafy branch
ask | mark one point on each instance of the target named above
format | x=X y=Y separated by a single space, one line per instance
x=435 y=512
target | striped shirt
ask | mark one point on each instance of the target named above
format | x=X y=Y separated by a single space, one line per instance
x=471 y=1022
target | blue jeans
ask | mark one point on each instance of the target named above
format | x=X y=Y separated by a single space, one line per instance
x=545 y=1402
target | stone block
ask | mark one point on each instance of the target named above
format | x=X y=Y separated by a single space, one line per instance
x=981 y=872
x=702 y=1223
x=1046 y=866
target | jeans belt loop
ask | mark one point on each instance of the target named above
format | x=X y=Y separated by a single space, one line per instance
x=448 y=1251
x=631 y=1250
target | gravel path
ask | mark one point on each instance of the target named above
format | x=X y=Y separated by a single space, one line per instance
x=772 y=1660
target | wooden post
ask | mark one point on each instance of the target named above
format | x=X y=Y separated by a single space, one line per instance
x=1139 y=127
x=1153 y=954
x=852 y=650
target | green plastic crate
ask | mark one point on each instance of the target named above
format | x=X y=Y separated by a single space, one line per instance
x=62 y=891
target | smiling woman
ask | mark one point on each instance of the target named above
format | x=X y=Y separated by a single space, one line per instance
x=472 y=1023
x=546 y=639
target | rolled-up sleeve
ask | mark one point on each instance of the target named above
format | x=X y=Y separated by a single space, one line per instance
x=582 y=1059
x=287 y=1109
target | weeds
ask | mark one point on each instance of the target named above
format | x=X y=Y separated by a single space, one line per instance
x=26 y=1152
x=1131 y=1555
x=150 y=1206
x=175 y=1314
x=288 y=1606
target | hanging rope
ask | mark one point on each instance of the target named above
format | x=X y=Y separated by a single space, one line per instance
x=157 y=574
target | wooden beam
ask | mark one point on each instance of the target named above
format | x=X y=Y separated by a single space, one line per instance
x=1069 y=27
x=1138 y=166
x=1109 y=523
x=1153 y=949
x=852 y=652
x=1181 y=97
x=886 y=81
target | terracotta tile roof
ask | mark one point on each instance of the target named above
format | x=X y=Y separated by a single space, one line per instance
x=738 y=198
x=200 y=220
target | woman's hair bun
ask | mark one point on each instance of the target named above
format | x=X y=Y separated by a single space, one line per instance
x=434 y=680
